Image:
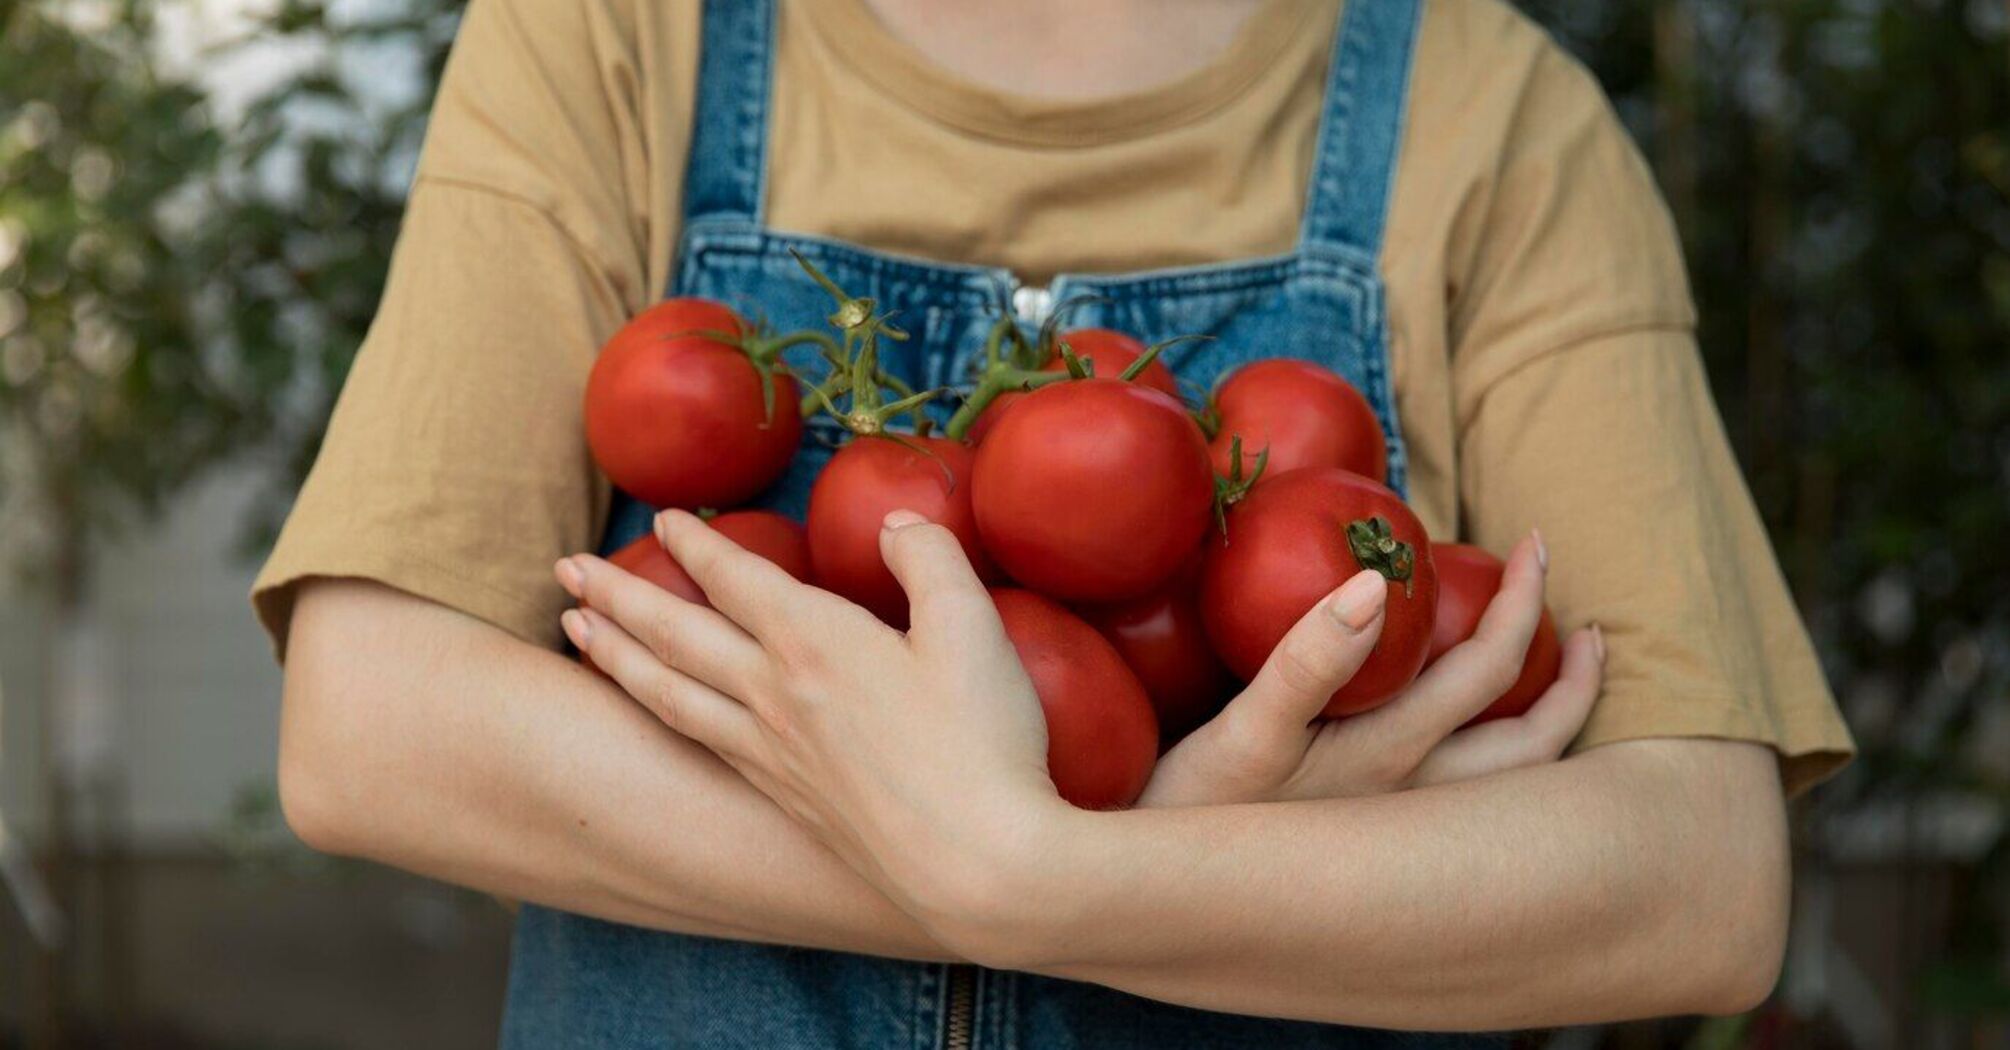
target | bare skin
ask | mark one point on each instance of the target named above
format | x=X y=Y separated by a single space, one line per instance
x=1638 y=879
x=558 y=788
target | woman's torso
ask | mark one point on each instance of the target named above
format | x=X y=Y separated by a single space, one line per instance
x=577 y=981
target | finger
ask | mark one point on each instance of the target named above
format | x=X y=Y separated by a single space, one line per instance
x=1313 y=660
x=1539 y=734
x=751 y=591
x=1475 y=672
x=1559 y=714
x=688 y=706
x=687 y=636
x=944 y=595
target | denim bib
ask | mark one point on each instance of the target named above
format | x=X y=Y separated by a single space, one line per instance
x=581 y=982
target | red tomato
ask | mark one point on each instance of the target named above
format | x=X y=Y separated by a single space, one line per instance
x=1107 y=350
x=1306 y=415
x=863 y=482
x=1467 y=580
x=1110 y=352
x=1162 y=640
x=677 y=419
x=1294 y=539
x=1093 y=490
x=1102 y=739
x=764 y=532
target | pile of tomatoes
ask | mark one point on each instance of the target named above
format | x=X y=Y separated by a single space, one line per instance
x=1144 y=557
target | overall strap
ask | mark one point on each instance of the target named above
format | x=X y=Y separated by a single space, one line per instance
x=1361 y=128
x=729 y=135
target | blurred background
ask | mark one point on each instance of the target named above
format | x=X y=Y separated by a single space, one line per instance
x=197 y=204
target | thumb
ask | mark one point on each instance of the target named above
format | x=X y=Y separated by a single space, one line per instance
x=1316 y=657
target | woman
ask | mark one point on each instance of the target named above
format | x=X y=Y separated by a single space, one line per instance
x=1433 y=202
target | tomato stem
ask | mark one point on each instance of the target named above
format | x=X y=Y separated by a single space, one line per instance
x=770 y=348
x=1151 y=354
x=1230 y=490
x=1208 y=419
x=1376 y=547
x=1002 y=379
x=1049 y=343
x=855 y=371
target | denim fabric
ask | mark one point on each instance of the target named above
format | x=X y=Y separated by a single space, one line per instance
x=581 y=982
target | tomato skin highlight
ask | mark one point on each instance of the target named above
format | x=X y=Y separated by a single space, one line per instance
x=1107 y=351
x=1306 y=415
x=1102 y=737
x=863 y=482
x=677 y=419
x=1163 y=641
x=1286 y=549
x=1093 y=490
x=1468 y=578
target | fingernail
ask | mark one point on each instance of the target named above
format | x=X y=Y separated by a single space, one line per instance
x=1355 y=605
x=1598 y=642
x=900 y=519
x=663 y=521
x=570 y=577
x=575 y=626
x=1541 y=549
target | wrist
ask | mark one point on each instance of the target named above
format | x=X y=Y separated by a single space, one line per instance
x=1013 y=896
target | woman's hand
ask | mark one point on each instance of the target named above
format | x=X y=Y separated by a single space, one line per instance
x=1265 y=746
x=920 y=758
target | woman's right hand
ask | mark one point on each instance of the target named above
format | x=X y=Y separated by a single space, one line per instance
x=1265 y=745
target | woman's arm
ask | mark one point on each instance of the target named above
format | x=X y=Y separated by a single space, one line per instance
x=423 y=738
x=1638 y=879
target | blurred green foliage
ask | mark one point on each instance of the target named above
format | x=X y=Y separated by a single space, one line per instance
x=106 y=387
x=179 y=287
x=171 y=294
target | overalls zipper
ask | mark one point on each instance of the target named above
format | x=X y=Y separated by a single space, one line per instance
x=960 y=1030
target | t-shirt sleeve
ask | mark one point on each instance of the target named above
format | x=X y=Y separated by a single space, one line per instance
x=455 y=466
x=1583 y=409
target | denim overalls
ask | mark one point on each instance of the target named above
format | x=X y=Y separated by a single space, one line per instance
x=580 y=982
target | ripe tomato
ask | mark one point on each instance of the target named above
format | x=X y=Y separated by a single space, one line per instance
x=1107 y=351
x=1093 y=490
x=1110 y=352
x=1102 y=739
x=764 y=532
x=1467 y=580
x=1304 y=414
x=865 y=480
x=1290 y=542
x=1162 y=640
x=678 y=419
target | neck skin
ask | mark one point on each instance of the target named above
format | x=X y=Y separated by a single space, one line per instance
x=1068 y=50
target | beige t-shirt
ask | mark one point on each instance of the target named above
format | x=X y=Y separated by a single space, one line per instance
x=1544 y=363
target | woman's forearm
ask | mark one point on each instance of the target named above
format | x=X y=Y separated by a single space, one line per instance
x=419 y=737
x=1634 y=880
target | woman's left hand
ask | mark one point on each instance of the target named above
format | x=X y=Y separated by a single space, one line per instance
x=1270 y=745
x=920 y=758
